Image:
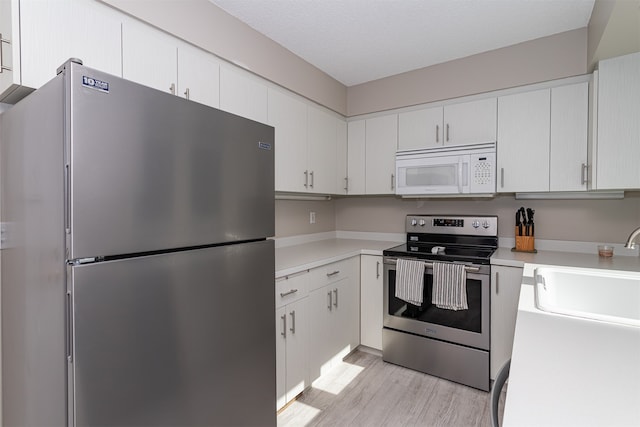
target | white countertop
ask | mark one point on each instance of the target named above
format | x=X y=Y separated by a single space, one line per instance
x=504 y=256
x=295 y=258
x=567 y=371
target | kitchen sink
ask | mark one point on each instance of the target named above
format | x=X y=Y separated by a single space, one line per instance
x=604 y=295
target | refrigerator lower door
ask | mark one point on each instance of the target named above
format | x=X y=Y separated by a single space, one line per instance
x=185 y=338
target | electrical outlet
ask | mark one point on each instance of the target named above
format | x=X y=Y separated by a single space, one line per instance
x=312 y=217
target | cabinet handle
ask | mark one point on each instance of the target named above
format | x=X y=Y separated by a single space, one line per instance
x=2 y=66
x=311 y=174
x=333 y=273
x=172 y=88
x=306 y=179
x=293 y=322
x=284 y=325
x=346 y=184
x=393 y=181
x=501 y=177
x=584 y=172
x=186 y=93
x=330 y=300
x=447 y=132
x=437 y=133
x=377 y=269
x=335 y=292
x=497 y=284
x=291 y=291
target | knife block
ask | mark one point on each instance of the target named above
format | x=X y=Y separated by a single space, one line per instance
x=525 y=243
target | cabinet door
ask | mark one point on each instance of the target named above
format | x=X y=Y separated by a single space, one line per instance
x=321 y=136
x=281 y=357
x=568 y=147
x=618 y=143
x=52 y=32
x=381 y=143
x=420 y=129
x=297 y=377
x=356 y=135
x=149 y=56
x=346 y=313
x=198 y=76
x=321 y=342
x=243 y=94
x=341 y=158
x=289 y=118
x=505 y=293
x=523 y=142
x=470 y=122
x=371 y=301
x=10 y=30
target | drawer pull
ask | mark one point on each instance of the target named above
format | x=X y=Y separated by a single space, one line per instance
x=333 y=273
x=284 y=294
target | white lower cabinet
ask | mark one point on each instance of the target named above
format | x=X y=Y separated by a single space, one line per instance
x=505 y=293
x=334 y=315
x=371 y=280
x=317 y=324
x=292 y=331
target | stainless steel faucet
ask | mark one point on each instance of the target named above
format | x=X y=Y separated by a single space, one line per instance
x=630 y=241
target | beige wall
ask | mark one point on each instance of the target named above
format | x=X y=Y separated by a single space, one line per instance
x=547 y=58
x=576 y=220
x=209 y=27
x=292 y=217
x=614 y=30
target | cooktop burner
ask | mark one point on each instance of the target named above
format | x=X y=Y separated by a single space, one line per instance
x=461 y=238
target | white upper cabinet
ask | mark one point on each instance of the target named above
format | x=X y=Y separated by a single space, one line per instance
x=322 y=132
x=381 y=136
x=341 y=158
x=198 y=75
x=243 y=94
x=420 y=129
x=523 y=141
x=288 y=116
x=569 y=124
x=356 y=148
x=470 y=122
x=39 y=36
x=618 y=123
x=455 y=124
x=149 y=56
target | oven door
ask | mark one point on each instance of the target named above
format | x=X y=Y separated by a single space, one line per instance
x=466 y=327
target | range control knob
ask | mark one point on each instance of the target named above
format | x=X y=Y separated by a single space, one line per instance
x=422 y=223
x=485 y=224
x=414 y=222
x=475 y=223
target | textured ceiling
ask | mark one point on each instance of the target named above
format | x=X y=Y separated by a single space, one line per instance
x=356 y=41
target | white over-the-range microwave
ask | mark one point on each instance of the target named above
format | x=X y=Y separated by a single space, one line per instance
x=461 y=169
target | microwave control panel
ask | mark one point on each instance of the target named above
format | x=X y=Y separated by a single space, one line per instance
x=482 y=173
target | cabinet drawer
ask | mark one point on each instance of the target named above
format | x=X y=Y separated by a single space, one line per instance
x=331 y=273
x=292 y=288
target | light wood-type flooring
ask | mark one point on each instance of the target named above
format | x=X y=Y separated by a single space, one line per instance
x=365 y=391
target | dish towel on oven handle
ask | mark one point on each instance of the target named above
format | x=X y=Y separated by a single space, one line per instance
x=449 y=286
x=410 y=280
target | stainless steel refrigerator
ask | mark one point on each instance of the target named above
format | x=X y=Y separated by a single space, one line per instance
x=137 y=277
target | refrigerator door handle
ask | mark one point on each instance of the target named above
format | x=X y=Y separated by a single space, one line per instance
x=69 y=313
x=67 y=199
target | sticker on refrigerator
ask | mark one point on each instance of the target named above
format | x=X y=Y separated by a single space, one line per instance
x=264 y=145
x=96 y=84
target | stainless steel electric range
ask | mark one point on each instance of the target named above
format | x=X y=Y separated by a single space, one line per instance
x=449 y=344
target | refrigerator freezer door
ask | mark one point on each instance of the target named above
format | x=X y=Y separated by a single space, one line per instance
x=152 y=171
x=185 y=338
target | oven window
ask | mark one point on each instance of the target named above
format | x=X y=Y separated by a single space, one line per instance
x=468 y=320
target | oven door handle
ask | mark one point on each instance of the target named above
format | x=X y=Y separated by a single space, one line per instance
x=467 y=268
